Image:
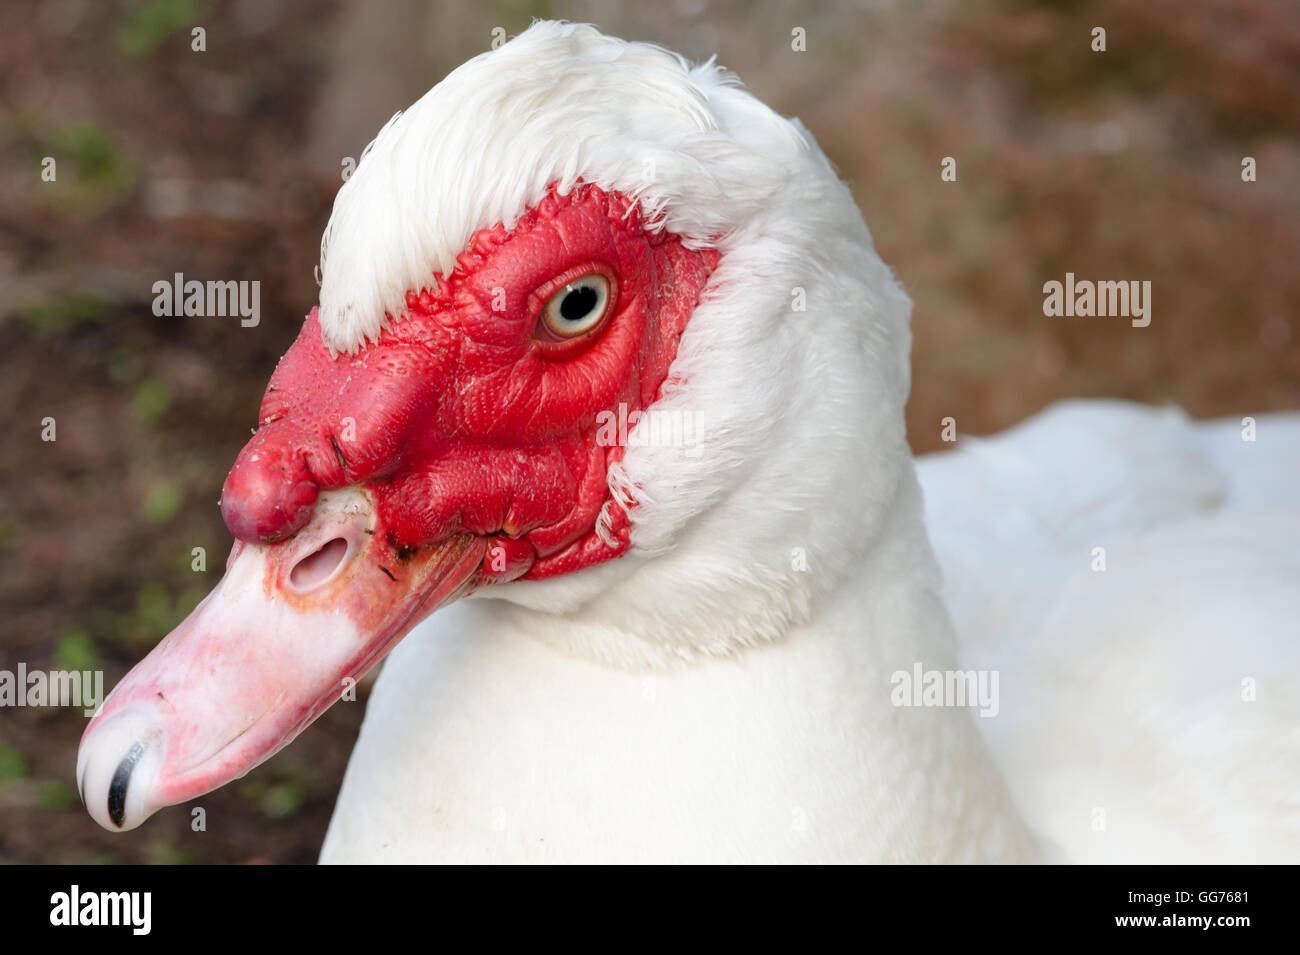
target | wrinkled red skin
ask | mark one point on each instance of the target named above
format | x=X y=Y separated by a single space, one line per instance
x=461 y=419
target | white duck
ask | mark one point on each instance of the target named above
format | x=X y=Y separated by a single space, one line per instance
x=613 y=227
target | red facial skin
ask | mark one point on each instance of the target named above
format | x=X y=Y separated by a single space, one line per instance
x=470 y=435
x=465 y=419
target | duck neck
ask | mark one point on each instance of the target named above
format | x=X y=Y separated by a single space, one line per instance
x=781 y=576
x=808 y=717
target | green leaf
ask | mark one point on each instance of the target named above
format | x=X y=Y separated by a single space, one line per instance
x=283 y=800
x=152 y=398
x=149 y=23
x=67 y=311
x=55 y=794
x=160 y=853
x=162 y=502
x=13 y=765
x=75 y=650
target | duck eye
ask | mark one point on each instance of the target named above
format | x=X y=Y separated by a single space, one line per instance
x=578 y=307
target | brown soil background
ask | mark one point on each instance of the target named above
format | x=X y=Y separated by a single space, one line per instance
x=223 y=164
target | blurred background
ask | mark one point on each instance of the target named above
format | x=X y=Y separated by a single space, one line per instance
x=223 y=164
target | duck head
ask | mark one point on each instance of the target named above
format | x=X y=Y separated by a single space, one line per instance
x=512 y=268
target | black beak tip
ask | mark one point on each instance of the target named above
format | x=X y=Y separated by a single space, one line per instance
x=117 y=788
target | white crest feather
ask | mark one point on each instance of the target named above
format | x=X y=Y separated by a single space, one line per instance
x=558 y=104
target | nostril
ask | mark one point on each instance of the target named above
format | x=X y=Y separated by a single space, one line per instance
x=318 y=566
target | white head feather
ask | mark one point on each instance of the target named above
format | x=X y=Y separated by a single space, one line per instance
x=558 y=104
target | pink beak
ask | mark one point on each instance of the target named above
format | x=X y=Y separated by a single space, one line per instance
x=288 y=630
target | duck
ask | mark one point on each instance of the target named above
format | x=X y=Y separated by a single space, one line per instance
x=596 y=438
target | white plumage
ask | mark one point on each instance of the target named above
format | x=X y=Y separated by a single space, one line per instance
x=487 y=143
x=1152 y=698
x=723 y=691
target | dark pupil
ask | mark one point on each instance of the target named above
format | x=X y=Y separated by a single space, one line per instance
x=578 y=303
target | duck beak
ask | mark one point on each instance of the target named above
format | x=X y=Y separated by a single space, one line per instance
x=288 y=631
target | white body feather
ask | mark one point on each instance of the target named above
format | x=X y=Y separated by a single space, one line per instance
x=1148 y=711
